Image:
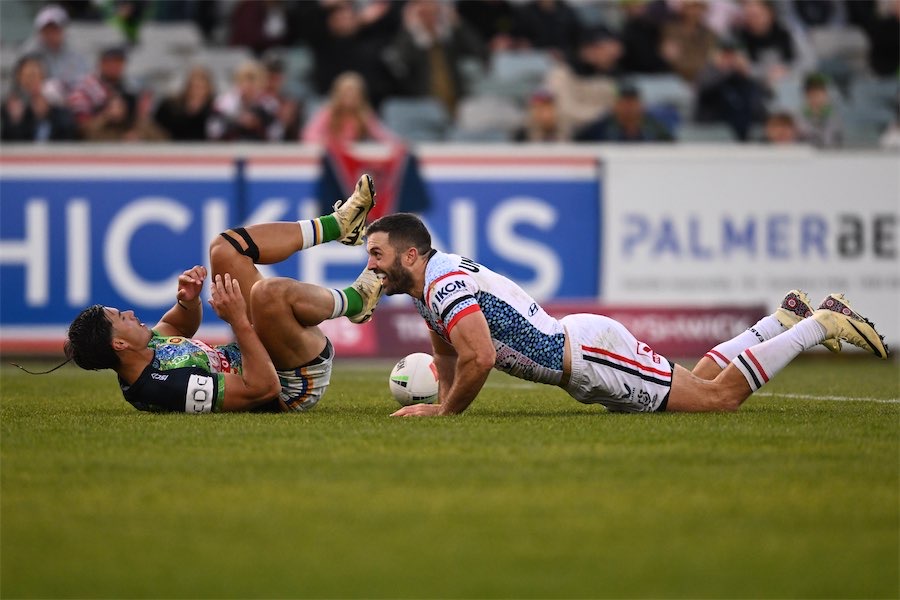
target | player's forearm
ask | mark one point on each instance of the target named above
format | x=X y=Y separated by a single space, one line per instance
x=446 y=370
x=469 y=378
x=257 y=371
x=185 y=316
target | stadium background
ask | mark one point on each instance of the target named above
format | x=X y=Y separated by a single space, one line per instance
x=683 y=256
x=687 y=243
x=529 y=494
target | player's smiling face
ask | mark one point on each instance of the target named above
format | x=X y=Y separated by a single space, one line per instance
x=386 y=262
x=127 y=327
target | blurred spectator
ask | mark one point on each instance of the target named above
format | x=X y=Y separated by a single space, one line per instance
x=598 y=53
x=346 y=38
x=288 y=107
x=721 y=15
x=543 y=123
x=727 y=92
x=63 y=64
x=496 y=21
x=883 y=32
x=687 y=42
x=347 y=116
x=550 y=25
x=768 y=44
x=244 y=112
x=26 y=114
x=585 y=87
x=780 y=129
x=641 y=39
x=92 y=97
x=258 y=25
x=890 y=137
x=819 y=122
x=120 y=122
x=628 y=122
x=424 y=57
x=816 y=13
x=127 y=16
x=185 y=115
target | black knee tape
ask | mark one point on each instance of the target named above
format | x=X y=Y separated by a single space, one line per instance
x=252 y=249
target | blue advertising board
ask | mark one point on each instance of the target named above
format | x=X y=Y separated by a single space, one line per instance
x=110 y=234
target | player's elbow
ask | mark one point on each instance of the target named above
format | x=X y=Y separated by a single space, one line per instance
x=485 y=358
x=271 y=389
x=262 y=390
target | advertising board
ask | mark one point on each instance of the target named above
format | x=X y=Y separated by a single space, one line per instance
x=117 y=230
x=724 y=230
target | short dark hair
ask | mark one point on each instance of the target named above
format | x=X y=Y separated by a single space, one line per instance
x=89 y=340
x=405 y=230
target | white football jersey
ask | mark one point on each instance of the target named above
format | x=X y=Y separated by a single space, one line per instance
x=529 y=342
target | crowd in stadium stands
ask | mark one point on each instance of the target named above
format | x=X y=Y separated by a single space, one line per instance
x=336 y=71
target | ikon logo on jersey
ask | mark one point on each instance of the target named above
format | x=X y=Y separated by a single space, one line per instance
x=449 y=288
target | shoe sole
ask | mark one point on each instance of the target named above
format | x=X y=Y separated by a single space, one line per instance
x=354 y=236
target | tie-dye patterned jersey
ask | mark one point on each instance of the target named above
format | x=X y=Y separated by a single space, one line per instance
x=185 y=375
x=530 y=343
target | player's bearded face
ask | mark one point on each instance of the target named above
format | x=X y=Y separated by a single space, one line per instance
x=398 y=280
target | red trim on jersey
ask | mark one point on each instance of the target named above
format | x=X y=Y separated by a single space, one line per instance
x=627 y=360
x=434 y=283
x=713 y=353
x=758 y=366
x=466 y=311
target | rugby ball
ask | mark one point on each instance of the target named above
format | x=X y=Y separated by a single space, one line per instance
x=414 y=380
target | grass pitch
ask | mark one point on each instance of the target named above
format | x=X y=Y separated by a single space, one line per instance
x=528 y=495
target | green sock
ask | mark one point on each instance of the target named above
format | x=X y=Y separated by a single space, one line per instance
x=330 y=229
x=354 y=301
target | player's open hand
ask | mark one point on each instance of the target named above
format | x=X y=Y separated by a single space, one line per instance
x=226 y=299
x=190 y=284
x=418 y=410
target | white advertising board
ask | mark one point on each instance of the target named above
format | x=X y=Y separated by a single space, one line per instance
x=744 y=228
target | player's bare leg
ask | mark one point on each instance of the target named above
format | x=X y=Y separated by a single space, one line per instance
x=286 y=315
x=690 y=393
x=237 y=251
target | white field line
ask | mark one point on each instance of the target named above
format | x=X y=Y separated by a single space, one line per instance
x=829 y=398
x=525 y=386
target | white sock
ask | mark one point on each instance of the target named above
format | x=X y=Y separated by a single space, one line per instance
x=765 y=329
x=340 y=303
x=311 y=232
x=759 y=364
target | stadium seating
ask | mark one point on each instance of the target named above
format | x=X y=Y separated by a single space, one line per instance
x=486 y=118
x=666 y=90
x=695 y=133
x=88 y=37
x=181 y=39
x=514 y=74
x=416 y=119
x=222 y=62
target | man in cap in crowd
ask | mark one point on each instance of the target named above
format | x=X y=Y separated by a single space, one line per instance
x=100 y=96
x=62 y=63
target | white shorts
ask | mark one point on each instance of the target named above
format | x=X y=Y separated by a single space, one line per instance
x=303 y=387
x=611 y=367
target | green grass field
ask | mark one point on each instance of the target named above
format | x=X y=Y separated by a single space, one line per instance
x=528 y=495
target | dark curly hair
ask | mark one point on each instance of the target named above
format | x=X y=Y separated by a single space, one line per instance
x=89 y=340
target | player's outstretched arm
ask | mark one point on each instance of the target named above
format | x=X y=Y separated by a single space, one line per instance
x=476 y=355
x=258 y=381
x=185 y=316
